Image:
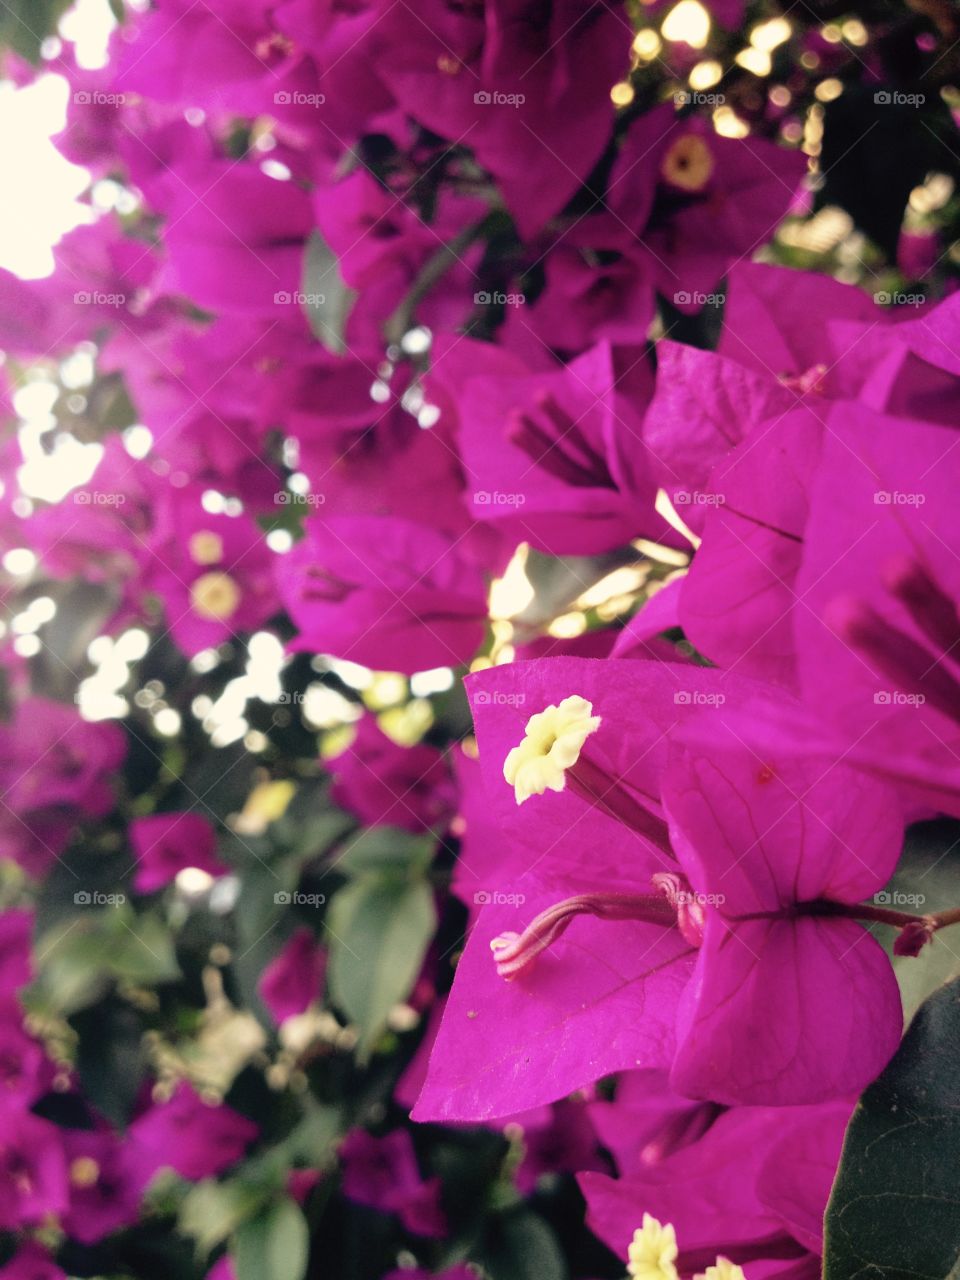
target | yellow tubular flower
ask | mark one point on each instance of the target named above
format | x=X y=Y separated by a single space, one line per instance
x=551 y=745
x=688 y=163
x=723 y=1270
x=653 y=1251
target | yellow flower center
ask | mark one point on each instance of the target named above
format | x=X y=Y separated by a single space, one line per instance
x=551 y=745
x=206 y=547
x=723 y=1270
x=688 y=164
x=84 y=1172
x=653 y=1251
x=215 y=596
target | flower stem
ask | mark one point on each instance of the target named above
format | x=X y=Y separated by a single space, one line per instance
x=915 y=930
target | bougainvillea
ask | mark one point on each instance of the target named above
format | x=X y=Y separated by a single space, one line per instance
x=480 y=712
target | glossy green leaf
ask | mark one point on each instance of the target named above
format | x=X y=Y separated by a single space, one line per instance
x=379 y=931
x=272 y=1246
x=212 y=1210
x=895 y=1209
x=326 y=299
x=384 y=849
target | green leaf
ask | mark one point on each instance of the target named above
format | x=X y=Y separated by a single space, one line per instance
x=309 y=1143
x=927 y=879
x=379 y=932
x=80 y=959
x=142 y=949
x=273 y=1245
x=385 y=849
x=326 y=298
x=212 y=1210
x=895 y=1208
x=25 y=24
x=110 y=1057
x=520 y=1246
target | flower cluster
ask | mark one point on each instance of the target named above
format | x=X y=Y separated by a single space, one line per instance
x=599 y=360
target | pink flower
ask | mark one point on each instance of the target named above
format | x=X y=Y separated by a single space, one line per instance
x=33 y=1171
x=235 y=239
x=695 y=201
x=164 y=844
x=56 y=769
x=107 y=1181
x=196 y=1138
x=753 y=1189
x=213 y=572
x=294 y=977
x=388 y=785
x=382 y=1173
x=558 y=457
x=649 y=920
x=503 y=81
x=876 y=640
x=31 y=1262
x=16 y=961
x=384 y=592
